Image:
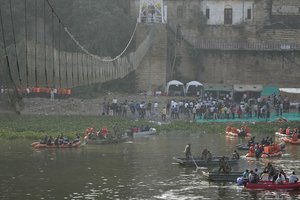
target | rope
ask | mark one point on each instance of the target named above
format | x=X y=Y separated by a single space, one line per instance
x=15 y=44
x=66 y=63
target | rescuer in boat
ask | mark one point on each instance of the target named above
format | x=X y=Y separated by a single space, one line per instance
x=270 y=170
x=293 y=178
x=187 y=151
x=235 y=155
x=209 y=156
x=204 y=154
x=224 y=165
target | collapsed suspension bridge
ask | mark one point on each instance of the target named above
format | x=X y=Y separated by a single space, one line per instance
x=57 y=61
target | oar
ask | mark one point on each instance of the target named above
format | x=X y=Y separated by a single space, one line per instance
x=197 y=167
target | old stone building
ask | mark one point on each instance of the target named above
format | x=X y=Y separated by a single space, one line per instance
x=226 y=41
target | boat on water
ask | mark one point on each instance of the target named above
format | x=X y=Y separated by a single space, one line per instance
x=242 y=146
x=107 y=140
x=274 y=150
x=226 y=177
x=39 y=145
x=278 y=134
x=140 y=132
x=244 y=131
x=269 y=185
x=198 y=161
x=291 y=141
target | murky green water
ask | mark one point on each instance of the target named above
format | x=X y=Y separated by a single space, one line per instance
x=142 y=169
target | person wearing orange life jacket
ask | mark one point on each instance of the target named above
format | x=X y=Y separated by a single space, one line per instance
x=295 y=136
x=104 y=132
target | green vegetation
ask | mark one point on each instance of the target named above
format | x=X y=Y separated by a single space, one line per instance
x=35 y=127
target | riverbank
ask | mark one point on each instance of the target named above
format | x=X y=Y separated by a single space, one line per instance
x=36 y=126
x=69 y=116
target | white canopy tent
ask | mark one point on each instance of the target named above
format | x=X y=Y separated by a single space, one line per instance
x=193 y=85
x=176 y=86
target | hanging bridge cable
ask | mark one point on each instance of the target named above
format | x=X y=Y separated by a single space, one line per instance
x=59 y=35
x=82 y=68
x=85 y=50
x=15 y=43
x=45 y=47
x=26 y=43
x=72 y=65
x=66 y=65
x=87 y=69
x=53 y=50
x=35 y=46
x=77 y=64
x=5 y=52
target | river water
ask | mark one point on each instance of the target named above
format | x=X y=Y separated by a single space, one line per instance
x=140 y=169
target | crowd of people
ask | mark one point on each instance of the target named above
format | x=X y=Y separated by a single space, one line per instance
x=269 y=174
x=206 y=108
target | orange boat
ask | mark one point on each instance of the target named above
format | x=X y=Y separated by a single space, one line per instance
x=38 y=145
x=291 y=140
x=235 y=132
x=268 y=152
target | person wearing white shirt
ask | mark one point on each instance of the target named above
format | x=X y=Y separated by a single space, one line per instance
x=293 y=178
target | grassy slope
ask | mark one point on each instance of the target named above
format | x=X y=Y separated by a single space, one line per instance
x=35 y=127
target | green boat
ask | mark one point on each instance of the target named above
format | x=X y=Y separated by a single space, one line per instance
x=199 y=162
x=226 y=177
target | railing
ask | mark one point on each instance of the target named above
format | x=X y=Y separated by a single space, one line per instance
x=224 y=45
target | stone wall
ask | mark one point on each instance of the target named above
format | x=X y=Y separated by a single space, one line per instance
x=250 y=67
x=153 y=68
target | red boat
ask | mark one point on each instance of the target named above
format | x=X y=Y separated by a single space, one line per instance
x=235 y=132
x=38 y=145
x=269 y=185
x=291 y=141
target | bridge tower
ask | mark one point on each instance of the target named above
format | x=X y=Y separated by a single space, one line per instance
x=152 y=72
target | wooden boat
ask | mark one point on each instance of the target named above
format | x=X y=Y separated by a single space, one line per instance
x=291 y=141
x=201 y=162
x=141 y=133
x=228 y=177
x=269 y=185
x=277 y=134
x=235 y=132
x=38 y=145
x=108 y=140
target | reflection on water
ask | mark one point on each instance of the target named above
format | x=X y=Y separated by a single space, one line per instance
x=142 y=169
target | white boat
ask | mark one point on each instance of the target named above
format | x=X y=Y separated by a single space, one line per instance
x=141 y=133
x=282 y=135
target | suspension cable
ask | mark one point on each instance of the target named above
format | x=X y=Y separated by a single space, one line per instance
x=35 y=51
x=15 y=44
x=5 y=51
x=85 y=50
x=53 y=64
x=59 y=72
x=45 y=49
x=26 y=50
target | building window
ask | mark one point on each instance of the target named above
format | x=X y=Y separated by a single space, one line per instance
x=249 y=13
x=207 y=13
x=228 y=16
x=179 y=12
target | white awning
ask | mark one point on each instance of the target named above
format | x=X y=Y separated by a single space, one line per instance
x=290 y=90
x=193 y=83
x=174 y=83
